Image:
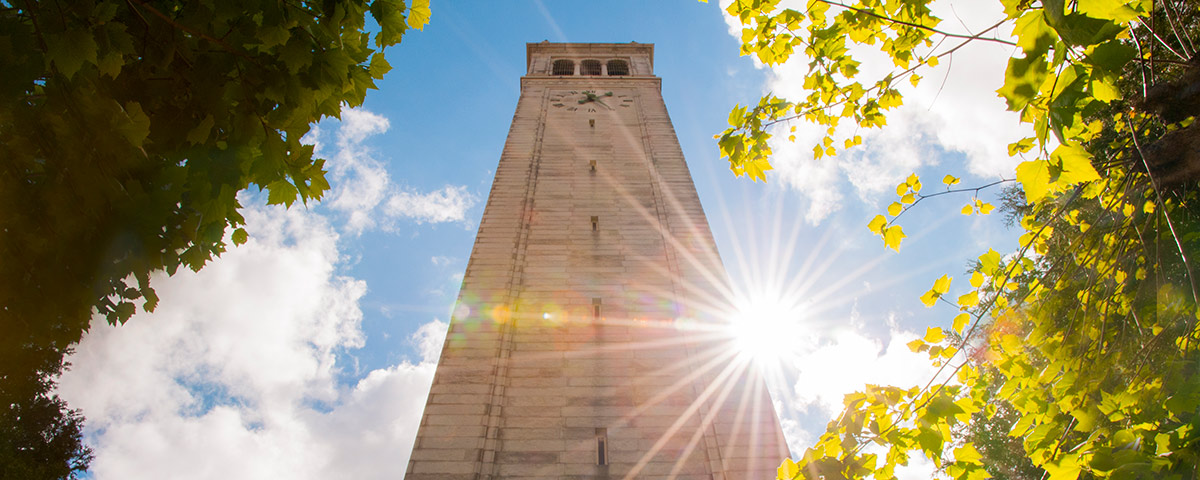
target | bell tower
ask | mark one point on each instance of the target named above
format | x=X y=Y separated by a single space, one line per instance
x=589 y=339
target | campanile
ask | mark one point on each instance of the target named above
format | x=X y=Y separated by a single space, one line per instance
x=589 y=339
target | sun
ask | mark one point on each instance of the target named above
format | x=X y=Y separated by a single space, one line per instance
x=767 y=329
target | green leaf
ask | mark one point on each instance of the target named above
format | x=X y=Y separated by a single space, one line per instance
x=930 y=441
x=69 y=50
x=199 y=134
x=137 y=128
x=1113 y=10
x=1081 y=30
x=281 y=191
x=389 y=14
x=379 y=66
x=1023 y=80
x=273 y=35
x=1111 y=56
x=1034 y=35
x=240 y=236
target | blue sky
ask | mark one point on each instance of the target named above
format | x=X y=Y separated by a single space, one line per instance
x=308 y=352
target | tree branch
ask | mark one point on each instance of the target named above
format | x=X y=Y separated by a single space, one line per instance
x=922 y=27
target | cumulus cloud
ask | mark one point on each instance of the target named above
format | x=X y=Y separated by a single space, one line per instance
x=955 y=110
x=236 y=374
x=860 y=360
x=363 y=191
x=450 y=204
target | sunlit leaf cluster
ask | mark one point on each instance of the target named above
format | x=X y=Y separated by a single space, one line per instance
x=1086 y=336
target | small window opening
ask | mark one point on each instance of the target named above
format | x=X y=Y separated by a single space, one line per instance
x=601 y=446
x=596 y=308
x=592 y=164
x=589 y=67
x=563 y=67
x=592 y=122
x=618 y=67
x=595 y=224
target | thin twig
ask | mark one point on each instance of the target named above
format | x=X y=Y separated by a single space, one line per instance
x=923 y=27
x=1187 y=264
x=194 y=31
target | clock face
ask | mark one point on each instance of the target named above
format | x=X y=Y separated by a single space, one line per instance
x=589 y=101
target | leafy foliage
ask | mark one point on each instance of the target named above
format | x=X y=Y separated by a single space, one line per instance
x=1085 y=339
x=39 y=436
x=127 y=130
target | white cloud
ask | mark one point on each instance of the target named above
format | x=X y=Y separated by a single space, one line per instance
x=450 y=204
x=850 y=361
x=235 y=375
x=362 y=189
x=955 y=109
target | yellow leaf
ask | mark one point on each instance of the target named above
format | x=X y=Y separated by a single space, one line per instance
x=986 y=208
x=1034 y=177
x=893 y=236
x=901 y=189
x=915 y=79
x=895 y=209
x=969 y=300
x=788 y=470
x=1076 y=164
x=877 y=224
x=942 y=285
x=908 y=198
x=929 y=298
x=932 y=61
x=912 y=179
x=967 y=210
x=950 y=180
x=419 y=15
x=916 y=345
x=989 y=262
x=934 y=335
x=967 y=454
x=976 y=279
x=960 y=322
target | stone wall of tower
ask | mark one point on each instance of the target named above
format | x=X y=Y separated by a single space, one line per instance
x=590 y=312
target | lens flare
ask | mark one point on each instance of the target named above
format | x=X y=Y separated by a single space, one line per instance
x=767 y=329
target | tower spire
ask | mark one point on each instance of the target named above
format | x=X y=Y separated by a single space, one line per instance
x=587 y=341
